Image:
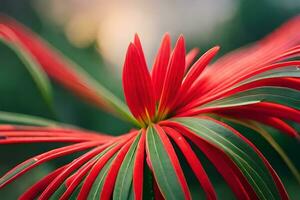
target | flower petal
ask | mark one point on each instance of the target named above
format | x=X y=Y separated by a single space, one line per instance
x=39 y=186
x=269 y=121
x=37 y=160
x=187 y=90
x=244 y=154
x=137 y=85
x=90 y=184
x=138 y=169
x=138 y=45
x=225 y=166
x=190 y=57
x=160 y=66
x=267 y=109
x=110 y=179
x=173 y=79
x=276 y=179
x=275 y=47
x=73 y=166
x=193 y=161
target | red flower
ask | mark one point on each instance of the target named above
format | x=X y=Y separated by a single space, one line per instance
x=179 y=106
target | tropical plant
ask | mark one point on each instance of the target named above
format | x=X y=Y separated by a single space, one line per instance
x=178 y=108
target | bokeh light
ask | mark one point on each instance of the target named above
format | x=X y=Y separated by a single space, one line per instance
x=112 y=24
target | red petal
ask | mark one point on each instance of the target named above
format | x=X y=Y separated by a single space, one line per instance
x=173 y=78
x=277 y=180
x=193 y=161
x=37 y=160
x=190 y=57
x=201 y=97
x=138 y=168
x=74 y=165
x=110 y=179
x=23 y=134
x=137 y=84
x=138 y=45
x=271 y=49
x=267 y=109
x=189 y=85
x=159 y=69
x=23 y=140
x=225 y=166
x=73 y=181
x=85 y=189
x=270 y=121
x=38 y=187
x=293 y=83
x=261 y=70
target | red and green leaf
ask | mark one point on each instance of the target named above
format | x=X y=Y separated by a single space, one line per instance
x=165 y=165
x=250 y=163
x=123 y=186
x=61 y=69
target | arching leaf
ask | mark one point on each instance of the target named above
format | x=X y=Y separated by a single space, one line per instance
x=36 y=71
x=280 y=95
x=248 y=161
x=123 y=186
x=163 y=169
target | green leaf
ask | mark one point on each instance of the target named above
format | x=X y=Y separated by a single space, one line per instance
x=280 y=95
x=250 y=164
x=74 y=194
x=124 y=179
x=163 y=169
x=18 y=169
x=293 y=71
x=131 y=193
x=98 y=184
x=76 y=191
x=58 y=192
x=16 y=118
x=117 y=105
x=260 y=129
x=35 y=70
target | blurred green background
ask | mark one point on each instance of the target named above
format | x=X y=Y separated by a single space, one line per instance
x=95 y=37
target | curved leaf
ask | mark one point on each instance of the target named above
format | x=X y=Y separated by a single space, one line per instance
x=163 y=169
x=280 y=95
x=26 y=119
x=193 y=162
x=95 y=191
x=63 y=70
x=36 y=71
x=123 y=183
x=249 y=162
x=293 y=71
x=267 y=136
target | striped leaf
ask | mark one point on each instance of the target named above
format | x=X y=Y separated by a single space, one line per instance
x=280 y=95
x=36 y=71
x=123 y=185
x=293 y=71
x=248 y=161
x=17 y=118
x=95 y=191
x=163 y=169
